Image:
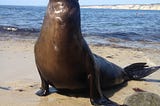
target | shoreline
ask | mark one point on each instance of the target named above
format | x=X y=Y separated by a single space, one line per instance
x=91 y=40
x=20 y=79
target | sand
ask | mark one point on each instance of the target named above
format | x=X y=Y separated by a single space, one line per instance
x=19 y=78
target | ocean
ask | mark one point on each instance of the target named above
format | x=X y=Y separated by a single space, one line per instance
x=120 y=28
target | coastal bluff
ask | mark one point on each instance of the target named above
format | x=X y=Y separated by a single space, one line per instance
x=127 y=6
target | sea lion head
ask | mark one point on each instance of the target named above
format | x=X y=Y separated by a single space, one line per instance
x=63 y=11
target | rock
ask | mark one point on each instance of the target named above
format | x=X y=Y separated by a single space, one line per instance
x=143 y=99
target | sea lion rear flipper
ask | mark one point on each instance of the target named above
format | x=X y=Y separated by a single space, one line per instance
x=139 y=70
x=104 y=102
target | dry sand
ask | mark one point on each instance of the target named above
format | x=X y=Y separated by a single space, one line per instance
x=19 y=79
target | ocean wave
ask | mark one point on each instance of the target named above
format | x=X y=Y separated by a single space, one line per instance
x=112 y=36
x=116 y=39
x=125 y=37
x=130 y=36
x=16 y=29
x=12 y=31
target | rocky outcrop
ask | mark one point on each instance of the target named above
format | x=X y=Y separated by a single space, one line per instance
x=128 y=6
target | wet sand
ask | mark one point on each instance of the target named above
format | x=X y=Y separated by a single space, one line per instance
x=19 y=78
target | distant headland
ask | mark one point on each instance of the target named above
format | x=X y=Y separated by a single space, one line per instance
x=127 y=6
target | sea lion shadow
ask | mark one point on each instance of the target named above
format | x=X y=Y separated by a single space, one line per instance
x=74 y=93
x=5 y=88
x=150 y=80
x=112 y=90
x=109 y=92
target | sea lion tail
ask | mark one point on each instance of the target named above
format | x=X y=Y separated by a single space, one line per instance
x=139 y=70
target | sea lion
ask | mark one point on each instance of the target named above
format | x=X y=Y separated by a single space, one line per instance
x=65 y=61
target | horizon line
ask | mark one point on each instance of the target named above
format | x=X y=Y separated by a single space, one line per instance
x=80 y=5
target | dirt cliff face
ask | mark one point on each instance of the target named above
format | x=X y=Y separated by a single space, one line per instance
x=128 y=6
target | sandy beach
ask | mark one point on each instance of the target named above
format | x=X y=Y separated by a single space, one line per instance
x=19 y=78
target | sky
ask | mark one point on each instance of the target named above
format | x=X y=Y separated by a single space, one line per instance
x=82 y=2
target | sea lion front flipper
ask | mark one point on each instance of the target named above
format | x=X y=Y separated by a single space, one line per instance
x=44 y=90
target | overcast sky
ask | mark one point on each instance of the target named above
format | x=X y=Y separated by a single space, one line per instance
x=82 y=2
